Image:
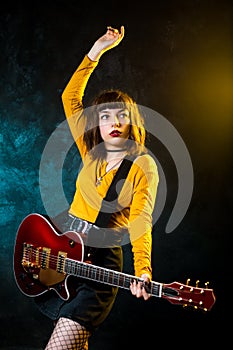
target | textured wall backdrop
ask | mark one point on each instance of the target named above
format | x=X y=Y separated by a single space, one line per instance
x=176 y=59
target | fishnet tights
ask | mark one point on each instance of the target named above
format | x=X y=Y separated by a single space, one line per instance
x=68 y=334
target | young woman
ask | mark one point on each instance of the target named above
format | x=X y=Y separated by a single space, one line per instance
x=106 y=133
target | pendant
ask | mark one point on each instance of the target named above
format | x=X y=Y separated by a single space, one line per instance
x=98 y=181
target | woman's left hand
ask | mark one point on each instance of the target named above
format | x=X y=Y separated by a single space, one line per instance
x=110 y=39
x=138 y=288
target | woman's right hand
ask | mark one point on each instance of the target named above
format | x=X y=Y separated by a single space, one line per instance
x=106 y=42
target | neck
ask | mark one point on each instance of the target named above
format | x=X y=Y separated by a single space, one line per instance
x=112 y=156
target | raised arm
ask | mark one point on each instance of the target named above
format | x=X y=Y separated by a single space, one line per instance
x=72 y=96
x=73 y=93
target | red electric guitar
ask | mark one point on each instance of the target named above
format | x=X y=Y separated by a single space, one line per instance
x=44 y=259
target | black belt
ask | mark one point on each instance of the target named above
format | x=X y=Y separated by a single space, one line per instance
x=94 y=236
x=79 y=225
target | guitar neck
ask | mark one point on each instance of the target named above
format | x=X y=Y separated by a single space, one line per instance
x=107 y=276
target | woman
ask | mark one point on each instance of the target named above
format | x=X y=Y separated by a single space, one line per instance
x=106 y=133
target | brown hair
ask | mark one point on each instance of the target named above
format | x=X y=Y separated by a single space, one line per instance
x=113 y=99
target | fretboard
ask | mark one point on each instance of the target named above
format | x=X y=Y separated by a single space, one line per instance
x=106 y=276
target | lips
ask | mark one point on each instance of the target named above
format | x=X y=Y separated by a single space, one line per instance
x=115 y=133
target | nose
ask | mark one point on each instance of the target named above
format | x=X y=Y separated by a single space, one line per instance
x=116 y=121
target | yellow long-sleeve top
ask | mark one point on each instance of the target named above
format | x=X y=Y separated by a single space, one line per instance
x=137 y=198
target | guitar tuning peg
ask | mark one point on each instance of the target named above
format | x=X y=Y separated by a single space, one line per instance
x=187 y=281
x=206 y=284
x=197 y=283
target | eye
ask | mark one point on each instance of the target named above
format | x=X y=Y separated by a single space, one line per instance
x=104 y=116
x=123 y=115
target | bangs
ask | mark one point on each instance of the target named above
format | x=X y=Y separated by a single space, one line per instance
x=112 y=99
x=111 y=105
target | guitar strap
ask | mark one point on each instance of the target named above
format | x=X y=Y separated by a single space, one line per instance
x=109 y=202
x=100 y=235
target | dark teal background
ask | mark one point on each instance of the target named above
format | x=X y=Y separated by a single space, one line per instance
x=168 y=45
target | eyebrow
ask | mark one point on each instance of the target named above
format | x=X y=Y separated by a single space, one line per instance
x=108 y=109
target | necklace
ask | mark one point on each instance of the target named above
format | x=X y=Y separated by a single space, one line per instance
x=116 y=150
x=100 y=178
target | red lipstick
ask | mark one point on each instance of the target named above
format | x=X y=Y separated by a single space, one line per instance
x=115 y=133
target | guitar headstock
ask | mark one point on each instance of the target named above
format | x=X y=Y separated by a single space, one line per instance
x=187 y=295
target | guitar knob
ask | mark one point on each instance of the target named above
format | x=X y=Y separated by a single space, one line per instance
x=206 y=284
x=72 y=243
x=30 y=285
x=187 y=282
x=197 y=283
x=22 y=276
x=59 y=287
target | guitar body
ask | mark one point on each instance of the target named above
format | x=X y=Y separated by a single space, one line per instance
x=39 y=254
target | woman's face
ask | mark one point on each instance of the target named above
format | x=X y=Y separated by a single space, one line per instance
x=114 y=126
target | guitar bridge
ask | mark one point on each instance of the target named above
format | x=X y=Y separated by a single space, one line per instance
x=30 y=256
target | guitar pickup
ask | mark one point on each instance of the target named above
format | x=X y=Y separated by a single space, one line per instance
x=61 y=261
x=45 y=256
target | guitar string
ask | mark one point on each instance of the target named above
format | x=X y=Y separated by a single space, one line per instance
x=122 y=278
x=154 y=286
x=86 y=268
x=53 y=259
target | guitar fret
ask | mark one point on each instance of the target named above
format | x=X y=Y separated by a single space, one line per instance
x=100 y=274
x=106 y=276
x=115 y=279
x=97 y=273
x=88 y=270
x=103 y=275
x=156 y=289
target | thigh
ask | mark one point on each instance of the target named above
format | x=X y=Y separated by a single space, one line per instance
x=68 y=334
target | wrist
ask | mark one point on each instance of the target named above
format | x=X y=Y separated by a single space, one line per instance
x=95 y=53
